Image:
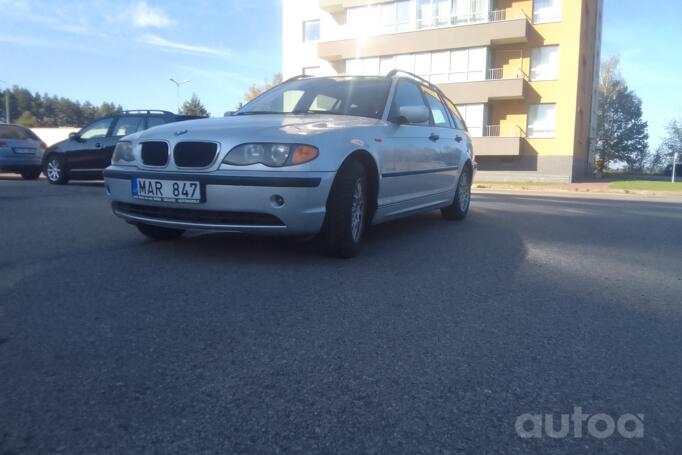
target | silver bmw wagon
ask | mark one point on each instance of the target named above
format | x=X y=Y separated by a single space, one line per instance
x=327 y=156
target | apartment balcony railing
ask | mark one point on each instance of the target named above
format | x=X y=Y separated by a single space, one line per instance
x=500 y=84
x=498 y=74
x=363 y=30
x=499 y=140
x=503 y=131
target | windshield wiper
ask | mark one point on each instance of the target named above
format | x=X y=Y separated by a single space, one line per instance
x=258 y=113
x=315 y=111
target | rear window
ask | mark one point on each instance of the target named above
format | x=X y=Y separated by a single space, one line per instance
x=15 y=132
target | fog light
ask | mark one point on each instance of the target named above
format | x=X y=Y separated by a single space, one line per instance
x=277 y=201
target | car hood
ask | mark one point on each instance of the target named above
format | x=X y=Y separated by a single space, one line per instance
x=262 y=126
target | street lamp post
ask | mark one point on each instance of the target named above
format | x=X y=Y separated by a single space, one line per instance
x=675 y=158
x=7 y=119
x=177 y=85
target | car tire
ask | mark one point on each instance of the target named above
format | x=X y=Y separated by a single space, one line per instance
x=346 y=219
x=31 y=174
x=459 y=208
x=54 y=170
x=159 y=233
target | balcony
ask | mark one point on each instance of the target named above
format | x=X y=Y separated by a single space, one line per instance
x=473 y=30
x=337 y=6
x=500 y=84
x=499 y=140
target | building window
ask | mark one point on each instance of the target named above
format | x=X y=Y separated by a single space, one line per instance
x=438 y=67
x=474 y=117
x=406 y=15
x=544 y=63
x=541 y=121
x=311 y=31
x=546 y=11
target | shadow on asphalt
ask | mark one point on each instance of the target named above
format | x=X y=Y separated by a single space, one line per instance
x=395 y=243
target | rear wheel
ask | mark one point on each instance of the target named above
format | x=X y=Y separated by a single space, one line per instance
x=346 y=219
x=31 y=174
x=54 y=170
x=459 y=208
x=159 y=233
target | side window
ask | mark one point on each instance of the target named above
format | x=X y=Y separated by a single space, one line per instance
x=438 y=111
x=155 y=121
x=128 y=124
x=407 y=94
x=96 y=129
x=459 y=122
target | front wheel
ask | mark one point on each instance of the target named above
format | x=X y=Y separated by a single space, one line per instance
x=54 y=170
x=459 y=208
x=346 y=219
x=159 y=233
x=31 y=174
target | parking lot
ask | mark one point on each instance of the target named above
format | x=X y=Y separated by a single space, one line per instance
x=434 y=340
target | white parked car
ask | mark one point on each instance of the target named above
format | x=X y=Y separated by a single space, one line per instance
x=326 y=156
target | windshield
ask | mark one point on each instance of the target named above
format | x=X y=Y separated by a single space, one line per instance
x=362 y=97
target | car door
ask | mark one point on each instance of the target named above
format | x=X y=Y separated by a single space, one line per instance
x=415 y=151
x=451 y=144
x=85 y=152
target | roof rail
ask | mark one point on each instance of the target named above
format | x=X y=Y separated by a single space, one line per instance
x=296 y=78
x=394 y=73
x=145 y=111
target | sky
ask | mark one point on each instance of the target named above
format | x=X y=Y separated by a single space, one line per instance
x=125 y=51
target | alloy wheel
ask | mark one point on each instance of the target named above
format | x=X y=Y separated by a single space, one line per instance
x=54 y=169
x=358 y=211
x=464 y=192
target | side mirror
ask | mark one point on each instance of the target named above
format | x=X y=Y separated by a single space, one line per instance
x=74 y=137
x=413 y=114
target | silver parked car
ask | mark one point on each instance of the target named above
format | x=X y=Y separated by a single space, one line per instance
x=325 y=156
x=21 y=151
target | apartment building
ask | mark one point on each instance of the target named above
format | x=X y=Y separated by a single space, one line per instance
x=523 y=73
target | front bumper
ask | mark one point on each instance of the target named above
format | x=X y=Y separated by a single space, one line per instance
x=235 y=201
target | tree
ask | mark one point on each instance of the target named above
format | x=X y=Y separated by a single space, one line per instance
x=193 y=106
x=27 y=119
x=621 y=132
x=673 y=143
x=46 y=110
x=256 y=90
x=656 y=160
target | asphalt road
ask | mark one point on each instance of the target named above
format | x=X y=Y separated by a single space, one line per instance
x=434 y=340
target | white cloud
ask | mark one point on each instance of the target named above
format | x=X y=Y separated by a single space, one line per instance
x=154 y=40
x=145 y=16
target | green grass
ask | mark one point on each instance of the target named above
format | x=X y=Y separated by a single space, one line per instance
x=646 y=185
x=529 y=184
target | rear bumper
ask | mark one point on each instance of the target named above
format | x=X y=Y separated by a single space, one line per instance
x=9 y=159
x=234 y=201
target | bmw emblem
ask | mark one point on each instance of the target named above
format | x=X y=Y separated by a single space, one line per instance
x=180 y=132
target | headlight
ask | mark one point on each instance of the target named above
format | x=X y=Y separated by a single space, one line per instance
x=123 y=153
x=273 y=155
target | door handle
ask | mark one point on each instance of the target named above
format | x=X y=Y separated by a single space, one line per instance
x=98 y=145
x=434 y=137
x=458 y=138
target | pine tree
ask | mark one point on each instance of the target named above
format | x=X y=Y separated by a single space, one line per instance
x=193 y=106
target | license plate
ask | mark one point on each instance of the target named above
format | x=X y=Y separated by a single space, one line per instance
x=25 y=151
x=181 y=191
